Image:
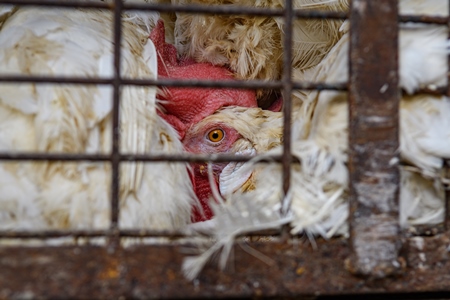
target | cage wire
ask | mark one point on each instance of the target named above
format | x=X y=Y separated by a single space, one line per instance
x=300 y=270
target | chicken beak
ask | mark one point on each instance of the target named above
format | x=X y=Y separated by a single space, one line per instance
x=235 y=174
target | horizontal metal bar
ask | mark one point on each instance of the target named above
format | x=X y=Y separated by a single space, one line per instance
x=236 y=10
x=418 y=230
x=206 y=9
x=192 y=8
x=53 y=157
x=46 y=234
x=320 y=86
x=423 y=19
x=196 y=158
x=53 y=79
x=219 y=10
x=181 y=157
x=200 y=9
x=319 y=14
x=425 y=230
x=52 y=3
x=437 y=91
x=250 y=84
x=124 y=233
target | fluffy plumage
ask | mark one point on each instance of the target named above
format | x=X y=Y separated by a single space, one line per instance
x=77 y=119
x=318 y=193
x=252 y=46
x=320 y=137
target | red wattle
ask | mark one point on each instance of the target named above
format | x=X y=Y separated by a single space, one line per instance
x=203 y=191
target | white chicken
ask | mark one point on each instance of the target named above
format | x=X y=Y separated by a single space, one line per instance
x=50 y=118
x=319 y=185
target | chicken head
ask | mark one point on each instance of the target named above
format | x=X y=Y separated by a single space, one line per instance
x=213 y=120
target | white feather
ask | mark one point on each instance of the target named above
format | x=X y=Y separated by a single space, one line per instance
x=77 y=119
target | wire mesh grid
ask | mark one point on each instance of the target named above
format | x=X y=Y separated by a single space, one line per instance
x=118 y=7
x=286 y=84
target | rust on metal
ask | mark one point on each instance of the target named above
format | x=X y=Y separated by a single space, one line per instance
x=145 y=271
x=373 y=139
x=237 y=84
x=287 y=103
x=447 y=194
x=427 y=252
x=115 y=132
x=446 y=185
x=137 y=233
x=154 y=271
x=425 y=230
x=424 y=19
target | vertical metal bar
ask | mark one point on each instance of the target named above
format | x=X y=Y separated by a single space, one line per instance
x=114 y=261
x=447 y=162
x=115 y=156
x=287 y=91
x=447 y=195
x=373 y=139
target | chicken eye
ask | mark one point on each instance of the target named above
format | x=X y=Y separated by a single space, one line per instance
x=216 y=135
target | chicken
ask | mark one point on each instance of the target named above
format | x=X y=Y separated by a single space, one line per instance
x=213 y=121
x=319 y=184
x=49 y=118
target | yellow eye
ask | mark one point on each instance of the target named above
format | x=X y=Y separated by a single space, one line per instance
x=215 y=135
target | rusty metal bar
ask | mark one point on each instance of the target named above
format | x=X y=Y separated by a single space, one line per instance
x=88 y=233
x=154 y=272
x=250 y=84
x=160 y=7
x=424 y=19
x=182 y=157
x=373 y=139
x=228 y=10
x=287 y=103
x=446 y=161
x=124 y=233
x=115 y=155
x=447 y=195
x=52 y=3
x=425 y=230
x=192 y=8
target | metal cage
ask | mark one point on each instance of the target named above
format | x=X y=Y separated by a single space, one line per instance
x=145 y=271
